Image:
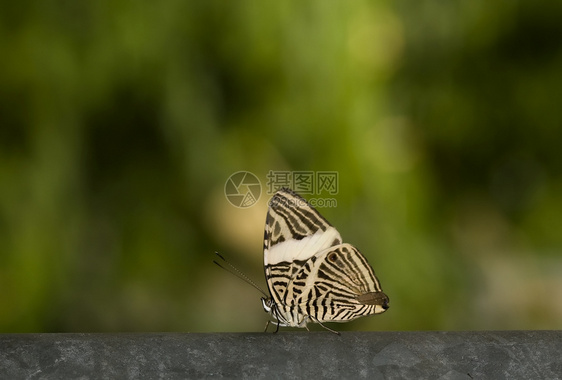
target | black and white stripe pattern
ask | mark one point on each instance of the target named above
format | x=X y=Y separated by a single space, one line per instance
x=311 y=275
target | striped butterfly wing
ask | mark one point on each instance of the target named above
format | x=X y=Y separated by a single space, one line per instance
x=344 y=288
x=294 y=233
x=310 y=274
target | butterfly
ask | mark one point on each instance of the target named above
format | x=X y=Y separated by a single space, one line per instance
x=311 y=275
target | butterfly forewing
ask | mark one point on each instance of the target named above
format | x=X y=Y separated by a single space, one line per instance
x=310 y=274
x=294 y=230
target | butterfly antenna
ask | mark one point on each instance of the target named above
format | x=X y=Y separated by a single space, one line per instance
x=237 y=272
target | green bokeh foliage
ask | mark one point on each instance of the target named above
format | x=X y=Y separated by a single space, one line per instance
x=120 y=122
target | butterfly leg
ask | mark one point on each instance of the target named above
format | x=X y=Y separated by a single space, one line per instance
x=329 y=329
x=275 y=323
x=326 y=327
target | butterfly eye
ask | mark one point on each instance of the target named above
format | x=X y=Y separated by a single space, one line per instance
x=332 y=256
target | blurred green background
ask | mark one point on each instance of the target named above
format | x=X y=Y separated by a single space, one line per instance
x=121 y=121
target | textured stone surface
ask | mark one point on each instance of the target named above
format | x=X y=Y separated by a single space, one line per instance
x=389 y=355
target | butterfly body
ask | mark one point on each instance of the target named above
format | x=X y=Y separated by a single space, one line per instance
x=311 y=275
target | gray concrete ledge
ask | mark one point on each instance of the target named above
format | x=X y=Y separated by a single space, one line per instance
x=353 y=355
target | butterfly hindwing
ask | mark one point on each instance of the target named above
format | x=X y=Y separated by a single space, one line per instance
x=350 y=297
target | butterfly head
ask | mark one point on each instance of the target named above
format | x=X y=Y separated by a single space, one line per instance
x=272 y=308
x=268 y=304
